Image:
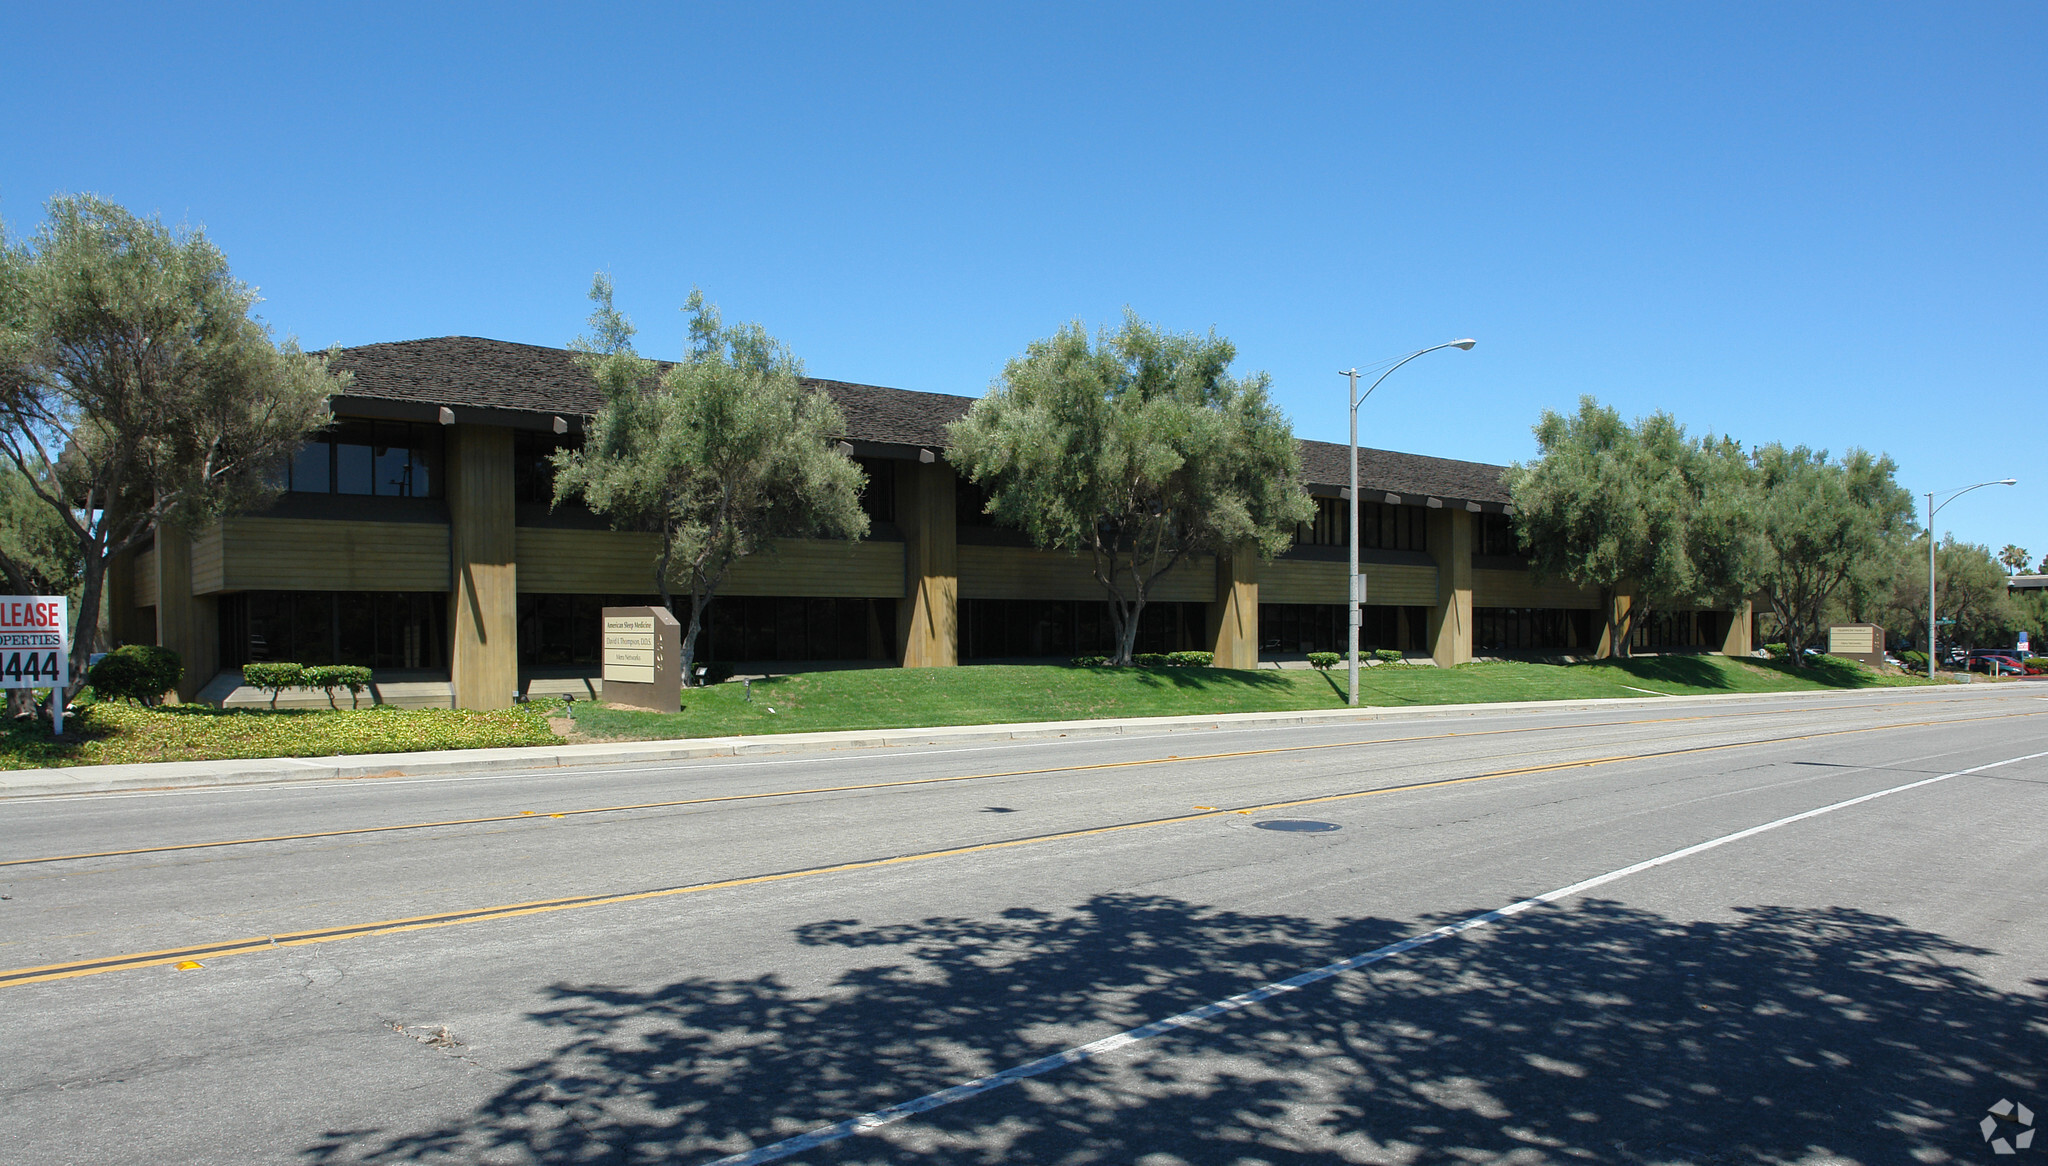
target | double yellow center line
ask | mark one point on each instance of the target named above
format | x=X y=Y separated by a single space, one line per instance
x=196 y=953
x=528 y=815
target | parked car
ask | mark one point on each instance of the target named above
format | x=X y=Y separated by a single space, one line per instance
x=1996 y=664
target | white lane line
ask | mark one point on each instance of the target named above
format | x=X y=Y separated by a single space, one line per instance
x=875 y=1119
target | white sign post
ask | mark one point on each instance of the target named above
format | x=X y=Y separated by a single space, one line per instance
x=35 y=646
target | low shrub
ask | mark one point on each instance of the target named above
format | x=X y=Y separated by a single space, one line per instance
x=1778 y=651
x=138 y=672
x=328 y=677
x=1914 y=660
x=1323 y=661
x=274 y=677
x=1388 y=655
x=1152 y=660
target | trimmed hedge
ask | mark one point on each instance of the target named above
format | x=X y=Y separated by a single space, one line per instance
x=1389 y=655
x=328 y=677
x=1323 y=661
x=274 y=677
x=138 y=672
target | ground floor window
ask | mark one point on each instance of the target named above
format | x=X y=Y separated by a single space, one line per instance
x=377 y=629
x=1679 y=629
x=564 y=631
x=995 y=628
x=1533 y=629
x=1322 y=627
x=777 y=627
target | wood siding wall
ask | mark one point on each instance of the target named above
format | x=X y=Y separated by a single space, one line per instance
x=209 y=559
x=284 y=554
x=1310 y=581
x=1496 y=588
x=1025 y=573
x=555 y=561
x=143 y=578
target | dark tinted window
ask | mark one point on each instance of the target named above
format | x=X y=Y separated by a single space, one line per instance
x=533 y=470
x=353 y=473
x=387 y=459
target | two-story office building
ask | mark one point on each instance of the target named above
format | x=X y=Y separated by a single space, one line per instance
x=416 y=535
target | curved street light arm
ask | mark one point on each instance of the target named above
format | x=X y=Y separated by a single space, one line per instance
x=1465 y=344
x=1932 y=510
x=1948 y=496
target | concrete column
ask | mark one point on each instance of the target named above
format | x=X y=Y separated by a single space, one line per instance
x=928 y=618
x=1234 y=616
x=483 y=605
x=1450 y=621
x=1736 y=642
x=187 y=624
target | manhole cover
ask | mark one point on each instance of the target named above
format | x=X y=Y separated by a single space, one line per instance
x=1297 y=826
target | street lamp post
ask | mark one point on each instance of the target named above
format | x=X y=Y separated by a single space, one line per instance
x=1932 y=510
x=1354 y=582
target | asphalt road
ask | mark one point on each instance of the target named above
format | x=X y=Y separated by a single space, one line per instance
x=684 y=962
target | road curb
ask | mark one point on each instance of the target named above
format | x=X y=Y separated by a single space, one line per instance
x=165 y=775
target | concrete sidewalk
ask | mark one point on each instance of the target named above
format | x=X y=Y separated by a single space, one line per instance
x=272 y=770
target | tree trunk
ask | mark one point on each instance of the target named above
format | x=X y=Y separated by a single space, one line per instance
x=85 y=634
x=1617 y=624
x=1127 y=633
x=696 y=624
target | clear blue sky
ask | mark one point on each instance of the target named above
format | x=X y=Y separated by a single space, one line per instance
x=1809 y=223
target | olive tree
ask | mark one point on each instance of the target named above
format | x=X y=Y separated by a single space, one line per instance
x=1822 y=527
x=137 y=389
x=1642 y=509
x=719 y=454
x=1140 y=450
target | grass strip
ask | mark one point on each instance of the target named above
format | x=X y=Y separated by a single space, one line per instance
x=892 y=698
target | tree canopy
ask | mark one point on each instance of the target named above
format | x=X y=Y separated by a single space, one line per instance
x=1139 y=449
x=720 y=454
x=1641 y=509
x=137 y=389
x=1822 y=526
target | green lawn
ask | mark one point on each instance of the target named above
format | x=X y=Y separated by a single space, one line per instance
x=990 y=694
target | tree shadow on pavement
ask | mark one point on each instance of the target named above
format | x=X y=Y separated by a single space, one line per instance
x=1594 y=1033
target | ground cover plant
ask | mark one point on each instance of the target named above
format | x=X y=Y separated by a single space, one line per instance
x=995 y=694
x=108 y=733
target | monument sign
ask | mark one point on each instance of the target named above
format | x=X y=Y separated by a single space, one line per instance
x=643 y=658
x=1857 y=641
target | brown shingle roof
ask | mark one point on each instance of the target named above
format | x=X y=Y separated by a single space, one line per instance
x=1411 y=475
x=468 y=371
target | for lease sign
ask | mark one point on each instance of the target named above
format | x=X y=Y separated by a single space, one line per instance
x=34 y=647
